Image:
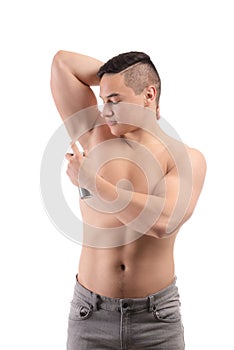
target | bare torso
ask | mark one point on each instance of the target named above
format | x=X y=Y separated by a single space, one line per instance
x=138 y=265
x=117 y=260
x=132 y=271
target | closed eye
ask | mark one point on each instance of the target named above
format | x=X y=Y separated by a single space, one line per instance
x=112 y=102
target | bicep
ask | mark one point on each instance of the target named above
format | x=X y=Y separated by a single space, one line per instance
x=180 y=189
x=198 y=164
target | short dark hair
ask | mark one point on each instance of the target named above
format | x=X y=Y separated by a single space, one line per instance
x=142 y=72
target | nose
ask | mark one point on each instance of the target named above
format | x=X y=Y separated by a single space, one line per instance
x=107 y=111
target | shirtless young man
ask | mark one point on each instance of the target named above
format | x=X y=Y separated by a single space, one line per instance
x=125 y=294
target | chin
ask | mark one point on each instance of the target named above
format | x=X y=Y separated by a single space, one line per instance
x=116 y=133
x=115 y=130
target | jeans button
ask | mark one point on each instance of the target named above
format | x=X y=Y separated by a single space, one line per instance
x=125 y=305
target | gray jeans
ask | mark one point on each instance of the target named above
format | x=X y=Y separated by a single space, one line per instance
x=98 y=323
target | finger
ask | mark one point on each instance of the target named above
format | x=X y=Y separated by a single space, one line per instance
x=69 y=155
x=75 y=149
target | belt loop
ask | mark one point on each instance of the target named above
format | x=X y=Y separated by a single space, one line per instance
x=150 y=302
x=96 y=301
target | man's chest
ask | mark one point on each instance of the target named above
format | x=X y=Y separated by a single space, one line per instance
x=131 y=166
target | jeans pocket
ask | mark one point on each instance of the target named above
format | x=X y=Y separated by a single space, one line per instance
x=168 y=312
x=80 y=310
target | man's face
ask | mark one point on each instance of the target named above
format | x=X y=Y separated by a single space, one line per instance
x=121 y=104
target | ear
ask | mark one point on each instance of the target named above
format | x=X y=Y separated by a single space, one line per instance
x=149 y=95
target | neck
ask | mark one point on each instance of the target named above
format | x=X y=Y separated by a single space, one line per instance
x=142 y=135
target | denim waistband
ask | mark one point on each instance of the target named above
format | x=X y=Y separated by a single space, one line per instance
x=132 y=304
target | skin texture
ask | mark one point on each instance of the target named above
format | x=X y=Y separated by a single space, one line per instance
x=129 y=232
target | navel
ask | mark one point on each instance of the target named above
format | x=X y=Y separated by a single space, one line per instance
x=122 y=266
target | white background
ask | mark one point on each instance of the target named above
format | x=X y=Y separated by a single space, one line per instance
x=191 y=43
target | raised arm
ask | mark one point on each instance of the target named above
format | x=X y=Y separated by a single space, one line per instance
x=72 y=75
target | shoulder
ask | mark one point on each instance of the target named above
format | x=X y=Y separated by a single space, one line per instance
x=197 y=158
x=198 y=163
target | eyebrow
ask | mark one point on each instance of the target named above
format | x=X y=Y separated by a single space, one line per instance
x=112 y=95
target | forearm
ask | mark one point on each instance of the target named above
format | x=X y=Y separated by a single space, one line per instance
x=82 y=67
x=145 y=213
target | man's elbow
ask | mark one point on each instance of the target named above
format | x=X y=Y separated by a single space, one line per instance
x=158 y=231
x=59 y=58
x=58 y=68
x=59 y=65
x=166 y=228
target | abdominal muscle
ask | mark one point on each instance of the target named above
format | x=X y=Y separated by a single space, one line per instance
x=134 y=270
